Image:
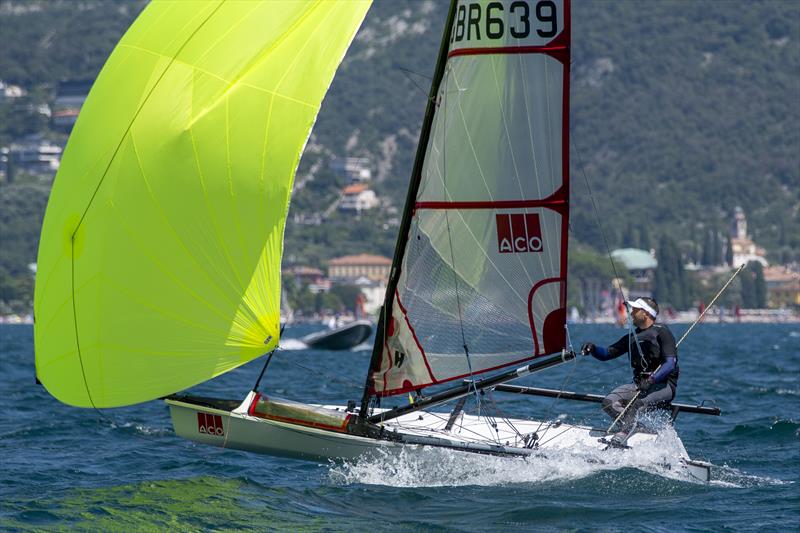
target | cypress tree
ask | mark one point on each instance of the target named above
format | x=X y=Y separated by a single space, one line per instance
x=10 y=168
x=669 y=285
x=708 y=256
x=759 y=286
x=716 y=249
x=645 y=243
x=629 y=237
x=729 y=251
x=747 y=287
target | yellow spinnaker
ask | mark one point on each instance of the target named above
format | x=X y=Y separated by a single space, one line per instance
x=159 y=260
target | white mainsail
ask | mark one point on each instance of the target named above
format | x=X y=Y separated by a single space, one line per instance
x=482 y=281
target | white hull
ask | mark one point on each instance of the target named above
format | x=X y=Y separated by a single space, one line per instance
x=242 y=431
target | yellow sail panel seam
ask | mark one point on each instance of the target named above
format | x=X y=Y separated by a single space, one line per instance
x=212 y=217
x=164 y=217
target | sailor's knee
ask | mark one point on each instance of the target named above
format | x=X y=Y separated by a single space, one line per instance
x=608 y=402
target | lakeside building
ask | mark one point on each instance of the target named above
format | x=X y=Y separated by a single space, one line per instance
x=783 y=287
x=744 y=249
x=350 y=268
x=355 y=169
x=357 y=197
x=641 y=265
x=313 y=277
x=11 y=91
x=70 y=96
x=33 y=155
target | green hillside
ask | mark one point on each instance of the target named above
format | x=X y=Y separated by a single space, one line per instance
x=680 y=112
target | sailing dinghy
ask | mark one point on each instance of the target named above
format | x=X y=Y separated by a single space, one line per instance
x=159 y=261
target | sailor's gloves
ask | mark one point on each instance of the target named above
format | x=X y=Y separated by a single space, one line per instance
x=643 y=383
x=587 y=348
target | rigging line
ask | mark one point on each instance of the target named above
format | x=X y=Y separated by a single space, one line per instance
x=503 y=416
x=699 y=318
x=477 y=437
x=406 y=73
x=486 y=256
x=599 y=221
x=452 y=252
x=331 y=377
x=513 y=159
x=608 y=251
x=269 y=357
x=567 y=379
x=553 y=401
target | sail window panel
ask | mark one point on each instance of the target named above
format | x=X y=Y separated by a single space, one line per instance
x=497 y=133
x=457 y=288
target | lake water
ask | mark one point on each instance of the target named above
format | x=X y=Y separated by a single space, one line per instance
x=124 y=469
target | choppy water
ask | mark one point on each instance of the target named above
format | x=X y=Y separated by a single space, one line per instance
x=124 y=469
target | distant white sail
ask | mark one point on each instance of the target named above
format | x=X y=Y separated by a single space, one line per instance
x=482 y=282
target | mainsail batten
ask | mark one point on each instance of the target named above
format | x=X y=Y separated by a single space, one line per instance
x=481 y=280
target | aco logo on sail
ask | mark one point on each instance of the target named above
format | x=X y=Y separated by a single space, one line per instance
x=518 y=233
x=210 y=424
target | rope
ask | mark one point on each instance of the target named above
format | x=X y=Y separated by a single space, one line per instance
x=699 y=318
x=406 y=72
x=453 y=259
x=599 y=222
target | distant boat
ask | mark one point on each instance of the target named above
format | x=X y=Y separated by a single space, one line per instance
x=344 y=337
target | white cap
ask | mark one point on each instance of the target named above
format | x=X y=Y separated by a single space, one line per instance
x=641 y=304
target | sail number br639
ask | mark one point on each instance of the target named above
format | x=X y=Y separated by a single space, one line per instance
x=509 y=23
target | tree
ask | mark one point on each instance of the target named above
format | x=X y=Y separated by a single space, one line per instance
x=670 y=284
x=629 y=237
x=759 y=286
x=747 y=287
x=347 y=295
x=645 y=243
x=729 y=251
x=716 y=249
x=708 y=255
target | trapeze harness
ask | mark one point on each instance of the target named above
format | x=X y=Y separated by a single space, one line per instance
x=658 y=356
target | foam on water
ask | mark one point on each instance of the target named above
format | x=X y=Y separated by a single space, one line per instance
x=293 y=344
x=435 y=467
x=727 y=476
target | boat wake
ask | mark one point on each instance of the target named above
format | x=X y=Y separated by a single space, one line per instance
x=293 y=344
x=434 y=467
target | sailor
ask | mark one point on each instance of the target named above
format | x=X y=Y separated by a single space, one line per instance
x=654 y=358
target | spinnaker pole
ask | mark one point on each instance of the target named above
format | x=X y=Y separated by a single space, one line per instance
x=405 y=225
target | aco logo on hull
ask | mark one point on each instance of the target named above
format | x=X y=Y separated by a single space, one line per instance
x=518 y=233
x=208 y=424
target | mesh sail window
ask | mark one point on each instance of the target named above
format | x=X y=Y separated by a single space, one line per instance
x=482 y=283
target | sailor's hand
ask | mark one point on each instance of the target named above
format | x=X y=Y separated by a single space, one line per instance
x=643 y=383
x=587 y=348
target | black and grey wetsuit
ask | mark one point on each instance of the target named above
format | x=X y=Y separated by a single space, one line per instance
x=656 y=356
x=656 y=349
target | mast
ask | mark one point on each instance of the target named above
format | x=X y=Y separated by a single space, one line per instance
x=416 y=176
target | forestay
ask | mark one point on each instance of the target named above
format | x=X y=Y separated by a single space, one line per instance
x=482 y=280
x=159 y=261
